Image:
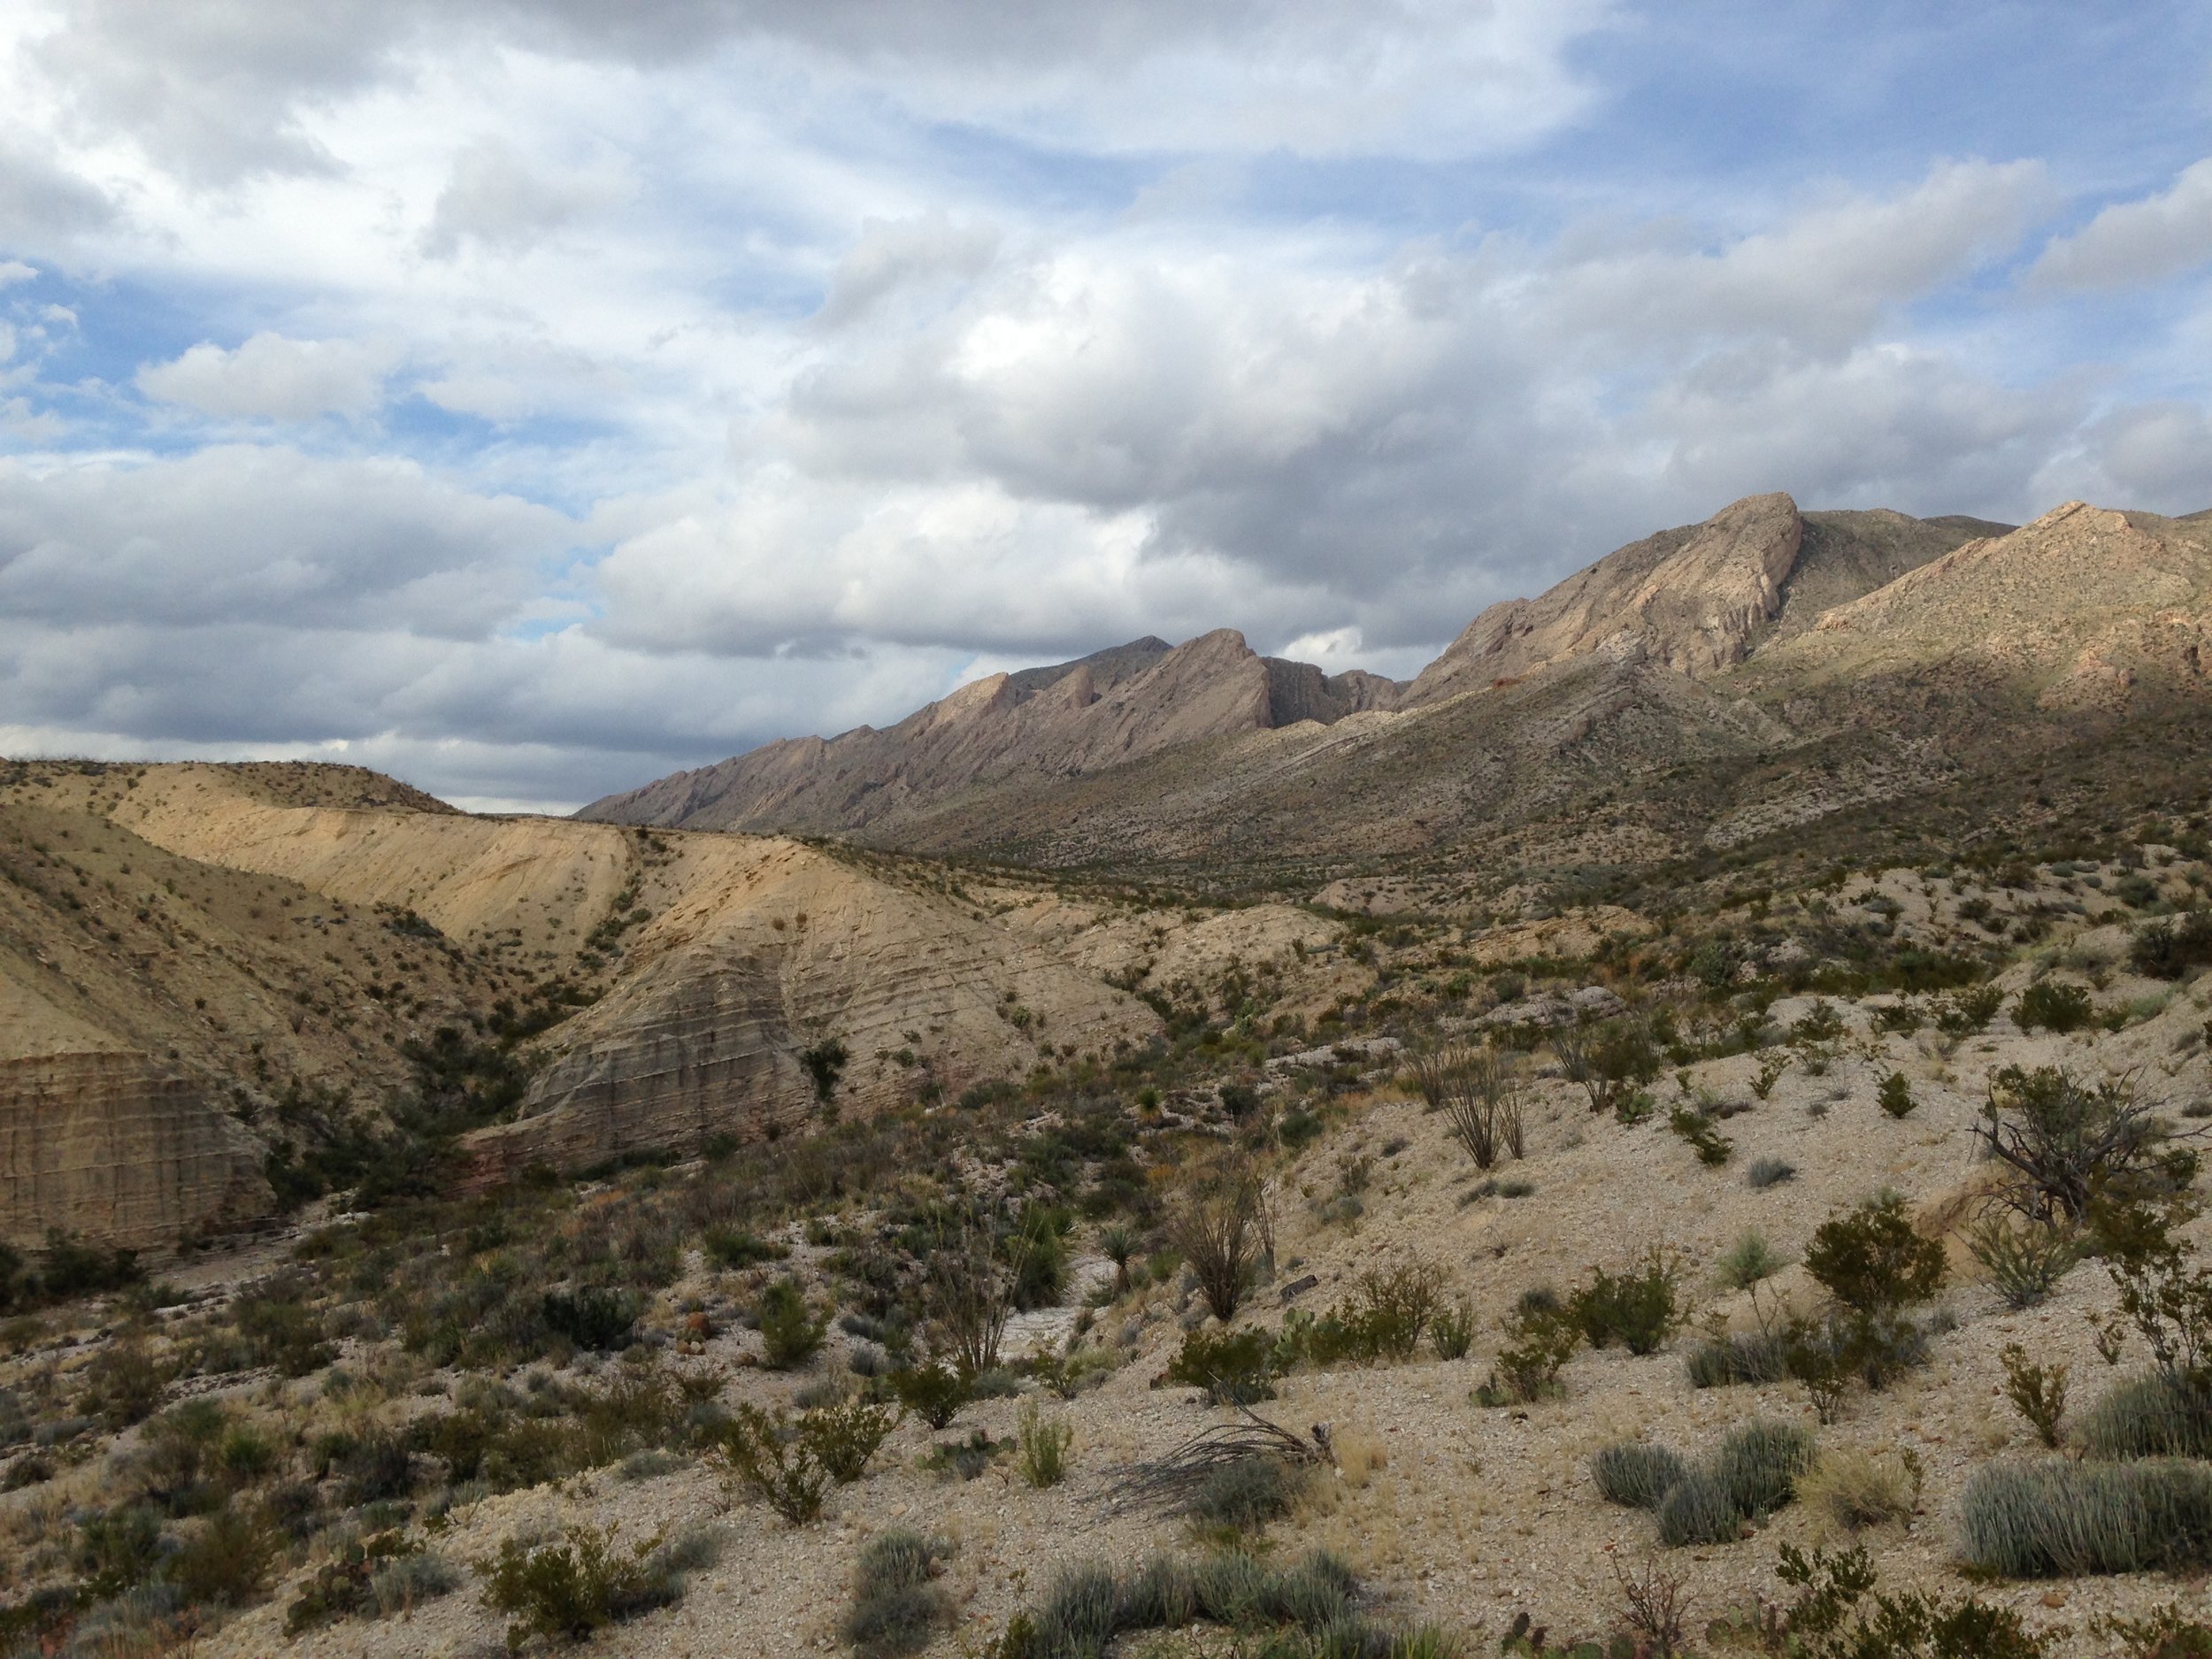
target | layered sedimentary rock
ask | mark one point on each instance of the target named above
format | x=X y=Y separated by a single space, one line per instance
x=114 y=1149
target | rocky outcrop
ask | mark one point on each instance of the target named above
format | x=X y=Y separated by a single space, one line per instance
x=1069 y=720
x=1700 y=598
x=767 y=949
x=115 y=1151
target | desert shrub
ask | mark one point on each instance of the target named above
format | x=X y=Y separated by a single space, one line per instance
x=733 y=1246
x=1765 y=1172
x=769 y=1461
x=1853 y=1490
x=1894 y=1096
x=1696 y=1128
x=1389 y=1313
x=405 y=1582
x=2038 y=1392
x=1697 y=1510
x=1636 y=1474
x=1479 y=1090
x=2053 y=1005
x=2156 y=1415
x=279 y=1329
x=124 y=1382
x=2068 y=1144
x=1748 y=1261
x=1235 y=1368
x=2066 y=1519
x=898 y=1607
x=934 y=1391
x=1967 y=1011
x=1220 y=1231
x=1872 y=1261
x=2170 y=947
x=1638 y=1308
x=1828 y=1622
x=2025 y=1259
x=1312 y=1599
x=2163 y=1635
x=1247 y=1494
x=229 y=1561
x=1452 y=1333
x=116 y=1548
x=1541 y=1336
x=1758 y=1465
x=843 y=1438
x=597 y=1318
x=1611 y=1060
x=569 y=1589
x=1043 y=1450
x=340 y=1588
x=1741 y=1357
x=790 y=1334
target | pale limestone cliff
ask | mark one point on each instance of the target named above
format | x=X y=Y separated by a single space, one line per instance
x=117 y=1150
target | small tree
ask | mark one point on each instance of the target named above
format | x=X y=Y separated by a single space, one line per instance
x=1478 y=1091
x=2067 y=1144
x=1220 y=1231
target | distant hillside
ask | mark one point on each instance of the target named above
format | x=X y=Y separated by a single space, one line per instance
x=1067 y=720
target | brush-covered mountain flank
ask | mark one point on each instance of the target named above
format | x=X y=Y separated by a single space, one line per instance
x=187 y=953
x=1068 y=720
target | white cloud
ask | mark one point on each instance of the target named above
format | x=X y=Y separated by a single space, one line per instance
x=270 y=377
x=498 y=201
x=2134 y=243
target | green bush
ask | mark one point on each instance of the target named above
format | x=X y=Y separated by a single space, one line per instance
x=733 y=1247
x=2053 y=1005
x=1312 y=1600
x=934 y=1393
x=568 y=1590
x=1542 y=1336
x=1453 y=1332
x=1636 y=1474
x=340 y=1588
x=2169 y=948
x=2025 y=1259
x=1712 y=1146
x=1894 y=1096
x=2067 y=1519
x=790 y=1334
x=844 y=1436
x=596 y=1317
x=1969 y=1011
x=1638 y=1308
x=1235 y=1368
x=1871 y=1261
x=1749 y=1261
x=898 y=1607
x=229 y=1561
x=1828 y=1621
x=770 y=1463
x=1758 y=1465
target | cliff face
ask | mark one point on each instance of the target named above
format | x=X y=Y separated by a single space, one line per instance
x=1071 y=719
x=118 y=1151
x=766 y=948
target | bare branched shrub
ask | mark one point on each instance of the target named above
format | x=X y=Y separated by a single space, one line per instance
x=1655 y=1605
x=1478 y=1091
x=2067 y=1144
x=970 y=1289
x=1221 y=1230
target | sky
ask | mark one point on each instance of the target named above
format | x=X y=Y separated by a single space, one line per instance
x=531 y=397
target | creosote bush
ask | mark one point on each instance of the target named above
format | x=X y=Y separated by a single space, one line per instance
x=1639 y=1307
x=1839 y=1615
x=1235 y=1368
x=568 y=1590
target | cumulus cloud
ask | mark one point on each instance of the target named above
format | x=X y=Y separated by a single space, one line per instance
x=497 y=200
x=2133 y=243
x=270 y=377
x=266 y=536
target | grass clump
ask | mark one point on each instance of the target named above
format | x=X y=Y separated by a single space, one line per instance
x=1697 y=1511
x=1742 y=1356
x=1853 y=1490
x=898 y=1606
x=1759 y=1463
x=1765 y=1172
x=2151 y=1416
x=1247 y=1493
x=2025 y=1260
x=1636 y=1475
x=1043 y=1455
x=1748 y=1261
x=2065 y=1519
